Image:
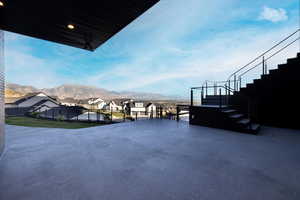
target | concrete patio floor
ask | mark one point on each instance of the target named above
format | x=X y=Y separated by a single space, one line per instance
x=151 y=159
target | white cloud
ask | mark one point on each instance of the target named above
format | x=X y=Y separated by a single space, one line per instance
x=157 y=53
x=214 y=59
x=273 y=14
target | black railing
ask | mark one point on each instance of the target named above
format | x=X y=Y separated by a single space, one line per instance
x=235 y=80
x=224 y=89
x=181 y=112
x=80 y=114
x=223 y=100
x=97 y=115
x=222 y=92
x=238 y=79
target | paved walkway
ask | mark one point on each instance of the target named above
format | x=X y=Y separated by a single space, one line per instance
x=145 y=160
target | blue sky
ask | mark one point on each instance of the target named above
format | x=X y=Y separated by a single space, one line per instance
x=173 y=46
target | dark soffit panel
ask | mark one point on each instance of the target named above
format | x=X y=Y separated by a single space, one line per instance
x=94 y=21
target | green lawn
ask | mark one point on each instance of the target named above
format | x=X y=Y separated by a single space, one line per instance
x=118 y=114
x=115 y=114
x=32 y=122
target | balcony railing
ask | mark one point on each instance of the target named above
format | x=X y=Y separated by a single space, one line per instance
x=247 y=73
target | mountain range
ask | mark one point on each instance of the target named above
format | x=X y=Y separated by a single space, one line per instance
x=13 y=90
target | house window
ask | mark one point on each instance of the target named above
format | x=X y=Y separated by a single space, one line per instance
x=139 y=105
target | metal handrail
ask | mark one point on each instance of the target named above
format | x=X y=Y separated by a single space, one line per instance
x=227 y=89
x=238 y=77
x=214 y=82
x=266 y=59
x=219 y=86
x=263 y=54
x=215 y=85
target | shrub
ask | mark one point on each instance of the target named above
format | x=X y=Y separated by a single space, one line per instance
x=130 y=118
x=106 y=117
x=35 y=114
x=60 y=118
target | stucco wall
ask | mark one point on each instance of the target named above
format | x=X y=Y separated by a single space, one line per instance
x=1 y=91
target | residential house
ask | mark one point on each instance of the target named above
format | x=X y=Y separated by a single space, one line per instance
x=96 y=103
x=140 y=108
x=65 y=112
x=69 y=102
x=151 y=109
x=112 y=106
x=136 y=108
x=43 y=105
x=84 y=103
x=123 y=102
x=33 y=102
x=36 y=99
x=10 y=102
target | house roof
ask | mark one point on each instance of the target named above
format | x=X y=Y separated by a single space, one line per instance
x=149 y=104
x=83 y=101
x=94 y=21
x=146 y=103
x=120 y=101
x=26 y=97
x=44 y=101
x=112 y=102
x=11 y=100
x=31 y=95
x=95 y=100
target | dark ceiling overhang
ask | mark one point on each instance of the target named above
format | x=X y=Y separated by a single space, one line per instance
x=95 y=21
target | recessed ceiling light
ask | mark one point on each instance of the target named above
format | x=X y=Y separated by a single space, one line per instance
x=71 y=26
x=1 y=4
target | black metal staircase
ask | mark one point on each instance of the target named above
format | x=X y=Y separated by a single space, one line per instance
x=234 y=118
x=274 y=97
x=241 y=106
x=217 y=111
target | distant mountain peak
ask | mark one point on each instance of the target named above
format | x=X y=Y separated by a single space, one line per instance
x=83 y=92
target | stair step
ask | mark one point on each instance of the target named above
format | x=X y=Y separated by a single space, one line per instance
x=282 y=66
x=214 y=96
x=213 y=106
x=293 y=60
x=249 y=85
x=269 y=86
x=229 y=111
x=255 y=126
x=214 y=102
x=255 y=81
x=290 y=67
x=243 y=121
x=236 y=116
x=243 y=89
x=213 y=99
x=273 y=71
x=265 y=76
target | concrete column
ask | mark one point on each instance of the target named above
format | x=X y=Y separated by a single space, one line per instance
x=1 y=91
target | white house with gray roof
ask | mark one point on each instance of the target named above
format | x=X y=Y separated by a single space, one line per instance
x=97 y=103
x=35 y=101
